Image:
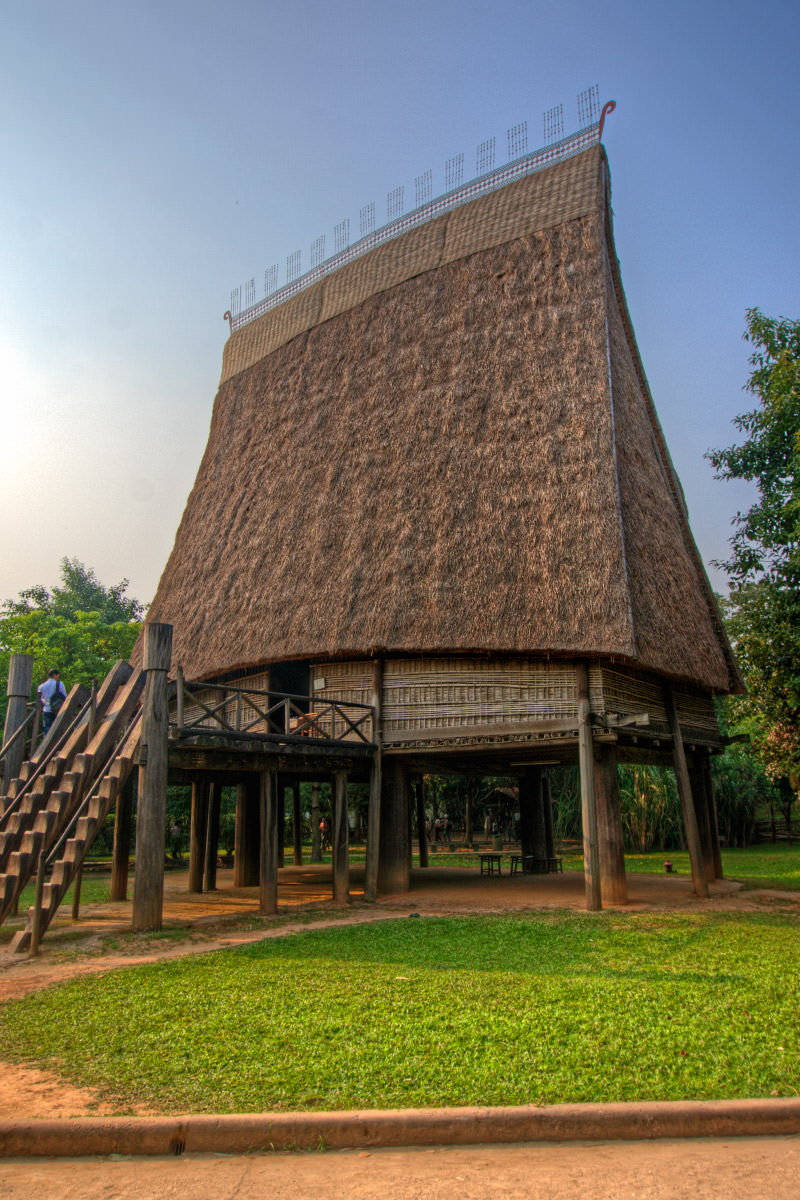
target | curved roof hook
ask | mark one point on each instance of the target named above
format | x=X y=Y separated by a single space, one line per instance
x=608 y=107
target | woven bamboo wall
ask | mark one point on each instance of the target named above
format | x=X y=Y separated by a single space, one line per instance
x=427 y=695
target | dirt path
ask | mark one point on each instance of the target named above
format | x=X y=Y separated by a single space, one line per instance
x=228 y=918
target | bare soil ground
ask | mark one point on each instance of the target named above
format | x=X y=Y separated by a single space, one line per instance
x=102 y=939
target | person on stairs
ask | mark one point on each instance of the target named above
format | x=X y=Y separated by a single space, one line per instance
x=52 y=695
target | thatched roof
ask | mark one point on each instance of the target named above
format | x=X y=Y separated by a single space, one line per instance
x=431 y=450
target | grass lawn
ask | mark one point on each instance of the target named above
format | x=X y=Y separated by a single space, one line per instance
x=438 y=1011
x=764 y=865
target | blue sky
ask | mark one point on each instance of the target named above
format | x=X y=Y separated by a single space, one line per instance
x=156 y=155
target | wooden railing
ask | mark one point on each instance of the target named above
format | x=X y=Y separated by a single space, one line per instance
x=249 y=712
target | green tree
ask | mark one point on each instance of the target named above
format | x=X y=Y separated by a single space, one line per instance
x=79 y=626
x=763 y=611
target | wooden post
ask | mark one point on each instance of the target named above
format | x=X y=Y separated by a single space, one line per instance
x=198 y=834
x=212 y=839
x=591 y=861
x=697 y=780
x=610 y=844
x=281 y=818
x=531 y=816
x=341 y=840
x=268 y=875
x=316 y=836
x=246 y=855
x=121 y=853
x=393 y=873
x=297 y=824
x=712 y=815
x=36 y=915
x=375 y=787
x=694 y=846
x=37 y=722
x=148 y=893
x=422 y=832
x=20 y=680
x=547 y=801
x=180 y=697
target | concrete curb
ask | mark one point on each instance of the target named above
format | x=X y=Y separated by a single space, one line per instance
x=248 y=1133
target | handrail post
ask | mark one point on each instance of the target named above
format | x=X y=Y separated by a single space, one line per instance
x=18 y=690
x=287 y=717
x=76 y=894
x=238 y=712
x=180 y=695
x=36 y=912
x=92 y=713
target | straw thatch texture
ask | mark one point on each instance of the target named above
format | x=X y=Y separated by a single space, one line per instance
x=546 y=198
x=433 y=469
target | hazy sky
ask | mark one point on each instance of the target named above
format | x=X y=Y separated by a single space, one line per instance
x=157 y=154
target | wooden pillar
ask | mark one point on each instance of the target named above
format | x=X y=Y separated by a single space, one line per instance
x=198 y=834
x=297 y=824
x=693 y=843
x=20 y=680
x=371 y=866
x=281 y=818
x=547 y=801
x=531 y=816
x=148 y=892
x=268 y=875
x=316 y=836
x=591 y=861
x=712 y=815
x=702 y=814
x=121 y=853
x=212 y=839
x=246 y=855
x=393 y=873
x=341 y=840
x=610 y=845
x=422 y=833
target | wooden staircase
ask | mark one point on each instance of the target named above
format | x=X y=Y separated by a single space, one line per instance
x=58 y=804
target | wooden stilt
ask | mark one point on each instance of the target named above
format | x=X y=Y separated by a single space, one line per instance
x=281 y=819
x=246 y=855
x=268 y=878
x=121 y=853
x=422 y=832
x=297 y=824
x=393 y=873
x=693 y=844
x=531 y=815
x=700 y=798
x=371 y=869
x=212 y=839
x=591 y=861
x=712 y=815
x=341 y=840
x=148 y=894
x=76 y=893
x=198 y=834
x=610 y=844
x=547 y=801
x=316 y=836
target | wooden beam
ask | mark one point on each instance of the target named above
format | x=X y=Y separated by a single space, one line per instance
x=547 y=800
x=148 y=893
x=268 y=875
x=693 y=843
x=610 y=842
x=198 y=834
x=591 y=860
x=316 y=834
x=341 y=840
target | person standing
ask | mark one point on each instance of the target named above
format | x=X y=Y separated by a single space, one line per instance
x=52 y=695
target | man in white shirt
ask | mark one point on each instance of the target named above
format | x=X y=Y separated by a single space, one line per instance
x=52 y=695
